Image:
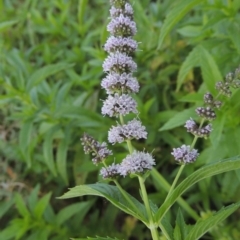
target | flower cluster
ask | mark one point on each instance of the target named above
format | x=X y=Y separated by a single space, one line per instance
x=133 y=129
x=98 y=150
x=231 y=80
x=119 y=84
x=185 y=154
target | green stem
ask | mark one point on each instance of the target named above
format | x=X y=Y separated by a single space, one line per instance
x=152 y=226
x=175 y=181
x=182 y=167
x=126 y=197
x=166 y=186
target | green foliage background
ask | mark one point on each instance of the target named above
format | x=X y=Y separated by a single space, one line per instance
x=51 y=57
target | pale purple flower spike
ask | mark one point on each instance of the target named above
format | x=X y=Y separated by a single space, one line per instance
x=110 y=172
x=119 y=62
x=117 y=24
x=185 y=154
x=132 y=130
x=115 y=82
x=137 y=162
x=127 y=11
x=121 y=44
x=119 y=104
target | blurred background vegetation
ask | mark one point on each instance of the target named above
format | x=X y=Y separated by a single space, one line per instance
x=51 y=68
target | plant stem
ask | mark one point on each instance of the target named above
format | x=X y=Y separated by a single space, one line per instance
x=126 y=197
x=182 y=167
x=175 y=181
x=152 y=226
x=166 y=186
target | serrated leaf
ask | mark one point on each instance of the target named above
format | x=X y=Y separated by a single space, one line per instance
x=203 y=226
x=175 y=15
x=202 y=173
x=180 y=231
x=167 y=228
x=177 y=233
x=113 y=195
x=45 y=72
x=178 y=120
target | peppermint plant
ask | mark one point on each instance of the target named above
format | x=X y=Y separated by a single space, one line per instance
x=121 y=85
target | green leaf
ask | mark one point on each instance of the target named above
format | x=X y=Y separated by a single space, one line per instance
x=210 y=71
x=163 y=184
x=233 y=31
x=96 y=238
x=21 y=206
x=178 y=120
x=41 y=206
x=167 y=228
x=61 y=158
x=191 y=61
x=48 y=150
x=5 y=206
x=10 y=232
x=6 y=24
x=203 y=226
x=25 y=139
x=190 y=31
x=180 y=231
x=202 y=173
x=112 y=194
x=73 y=209
x=177 y=233
x=45 y=72
x=175 y=15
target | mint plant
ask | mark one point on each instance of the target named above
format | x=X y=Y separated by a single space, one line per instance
x=121 y=85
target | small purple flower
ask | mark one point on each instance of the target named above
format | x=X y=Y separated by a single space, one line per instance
x=122 y=26
x=127 y=10
x=117 y=104
x=193 y=128
x=217 y=104
x=98 y=150
x=235 y=83
x=137 y=162
x=230 y=77
x=224 y=88
x=185 y=154
x=206 y=113
x=111 y=171
x=132 y=130
x=119 y=62
x=190 y=125
x=208 y=98
x=124 y=83
x=120 y=44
